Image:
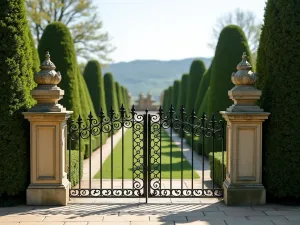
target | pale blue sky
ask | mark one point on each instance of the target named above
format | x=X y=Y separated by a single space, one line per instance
x=166 y=29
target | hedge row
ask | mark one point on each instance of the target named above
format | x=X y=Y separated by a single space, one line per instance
x=278 y=71
x=16 y=81
x=219 y=168
x=74 y=178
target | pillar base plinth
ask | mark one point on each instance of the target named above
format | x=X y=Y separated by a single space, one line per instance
x=246 y=194
x=49 y=194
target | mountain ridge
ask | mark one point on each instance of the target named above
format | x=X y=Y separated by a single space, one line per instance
x=150 y=75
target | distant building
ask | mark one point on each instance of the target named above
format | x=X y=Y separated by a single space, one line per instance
x=146 y=102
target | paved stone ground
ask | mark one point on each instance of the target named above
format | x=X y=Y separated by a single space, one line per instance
x=162 y=212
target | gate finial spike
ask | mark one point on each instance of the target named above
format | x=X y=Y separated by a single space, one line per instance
x=132 y=110
x=101 y=113
x=213 y=119
x=111 y=110
x=122 y=108
x=171 y=109
x=79 y=119
x=203 y=117
x=182 y=110
x=160 y=110
x=90 y=115
x=194 y=115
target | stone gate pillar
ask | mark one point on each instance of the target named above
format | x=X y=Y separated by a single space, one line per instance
x=48 y=131
x=243 y=184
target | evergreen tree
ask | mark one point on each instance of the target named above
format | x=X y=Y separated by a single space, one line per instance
x=119 y=94
x=16 y=81
x=184 y=87
x=110 y=93
x=35 y=56
x=197 y=70
x=201 y=92
x=175 y=96
x=231 y=45
x=58 y=40
x=278 y=71
x=125 y=97
x=129 y=103
x=94 y=80
x=171 y=102
x=166 y=100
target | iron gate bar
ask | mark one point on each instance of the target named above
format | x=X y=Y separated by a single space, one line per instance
x=112 y=152
x=90 y=150
x=145 y=159
x=101 y=117
x=203 y=118
x=171 y=144
x=181 y=127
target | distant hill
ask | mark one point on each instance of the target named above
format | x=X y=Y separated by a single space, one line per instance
x=150 y=75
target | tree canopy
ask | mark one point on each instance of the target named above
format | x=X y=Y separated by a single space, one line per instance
x=80 y=16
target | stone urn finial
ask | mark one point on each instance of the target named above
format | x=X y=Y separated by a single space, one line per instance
x=244 y=75
x=47 y=75
x=47 y=93
x=244 y=94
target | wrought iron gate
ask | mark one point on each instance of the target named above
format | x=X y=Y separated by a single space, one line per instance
x=153 y=171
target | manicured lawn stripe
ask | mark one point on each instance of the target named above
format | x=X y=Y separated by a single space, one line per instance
x=128 y=156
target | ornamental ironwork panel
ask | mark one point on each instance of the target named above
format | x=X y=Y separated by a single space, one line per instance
x=162 y=165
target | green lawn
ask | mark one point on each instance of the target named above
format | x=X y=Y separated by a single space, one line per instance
x=165 y=160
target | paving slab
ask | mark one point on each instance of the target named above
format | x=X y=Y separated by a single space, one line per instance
x=22 y=218
x=281 y=222
x=260 y=218
x=249 y=223
x=73 y=218
x=217 y=214
x=9 y=223
x=244 y=213
x=219 y=222
x=43 y=223
x=295 y=217
x=212 y=218
x=169 y=218
x=283 y=213
x=152 y=223
x=109 y=223
x=126 y=218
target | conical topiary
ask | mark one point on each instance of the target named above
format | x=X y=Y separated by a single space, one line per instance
x=110 y=93
x=58 y=41
x=94 y=80
x=16 y=81
x=176 y=86
x=166 y=100
x=183 y=90
x=231 y=45
x=197 y=70
x=119 y=94
x=35 y=55
x=278 y=70
x=202 y=89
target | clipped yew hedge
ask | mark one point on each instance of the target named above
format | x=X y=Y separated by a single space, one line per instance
x=94 y=80
x=219 y=168
x=278 y=68
x=16 y=81
x=230 y=47
x=197 y=70
x=74 y=178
